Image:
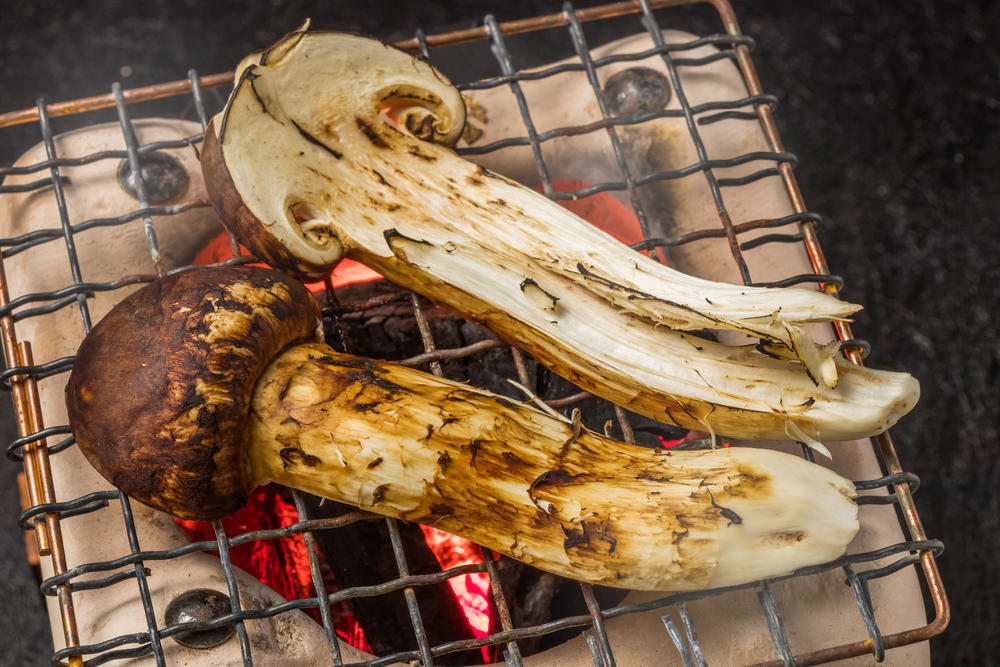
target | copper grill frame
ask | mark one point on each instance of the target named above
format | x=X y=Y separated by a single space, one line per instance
x=43 y=515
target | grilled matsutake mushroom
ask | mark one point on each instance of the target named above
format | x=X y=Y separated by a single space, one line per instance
x=199 y=387
x=337 y=145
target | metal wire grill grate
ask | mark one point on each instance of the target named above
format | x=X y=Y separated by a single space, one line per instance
x=33 y=448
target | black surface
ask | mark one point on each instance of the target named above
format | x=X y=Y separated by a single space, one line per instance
x=892 y=108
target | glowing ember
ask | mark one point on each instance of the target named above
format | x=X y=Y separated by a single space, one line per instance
x=472 y=590
x=691 y=435
x=348 y=272
x=282 y=564
x=603 y=210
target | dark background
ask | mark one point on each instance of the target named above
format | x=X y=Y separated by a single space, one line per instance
x=892 y=108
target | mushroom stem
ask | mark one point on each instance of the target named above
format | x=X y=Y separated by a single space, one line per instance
x=402 y=443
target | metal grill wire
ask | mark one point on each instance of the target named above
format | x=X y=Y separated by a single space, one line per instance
x=132 y=565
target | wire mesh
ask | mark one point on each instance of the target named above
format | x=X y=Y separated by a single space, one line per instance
x=31 y=446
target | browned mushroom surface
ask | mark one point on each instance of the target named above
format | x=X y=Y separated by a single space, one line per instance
x=201 y=386
x=336 y=145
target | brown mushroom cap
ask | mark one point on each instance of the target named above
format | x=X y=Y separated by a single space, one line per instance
x=159 y=396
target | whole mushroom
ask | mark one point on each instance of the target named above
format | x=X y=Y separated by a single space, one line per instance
x=205 y=384
x=336 y=145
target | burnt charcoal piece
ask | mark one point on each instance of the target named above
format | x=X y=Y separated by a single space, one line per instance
x=377 y=318
x=529 y=593
x=568 y=601
x=360 y=555
x=535 y=597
